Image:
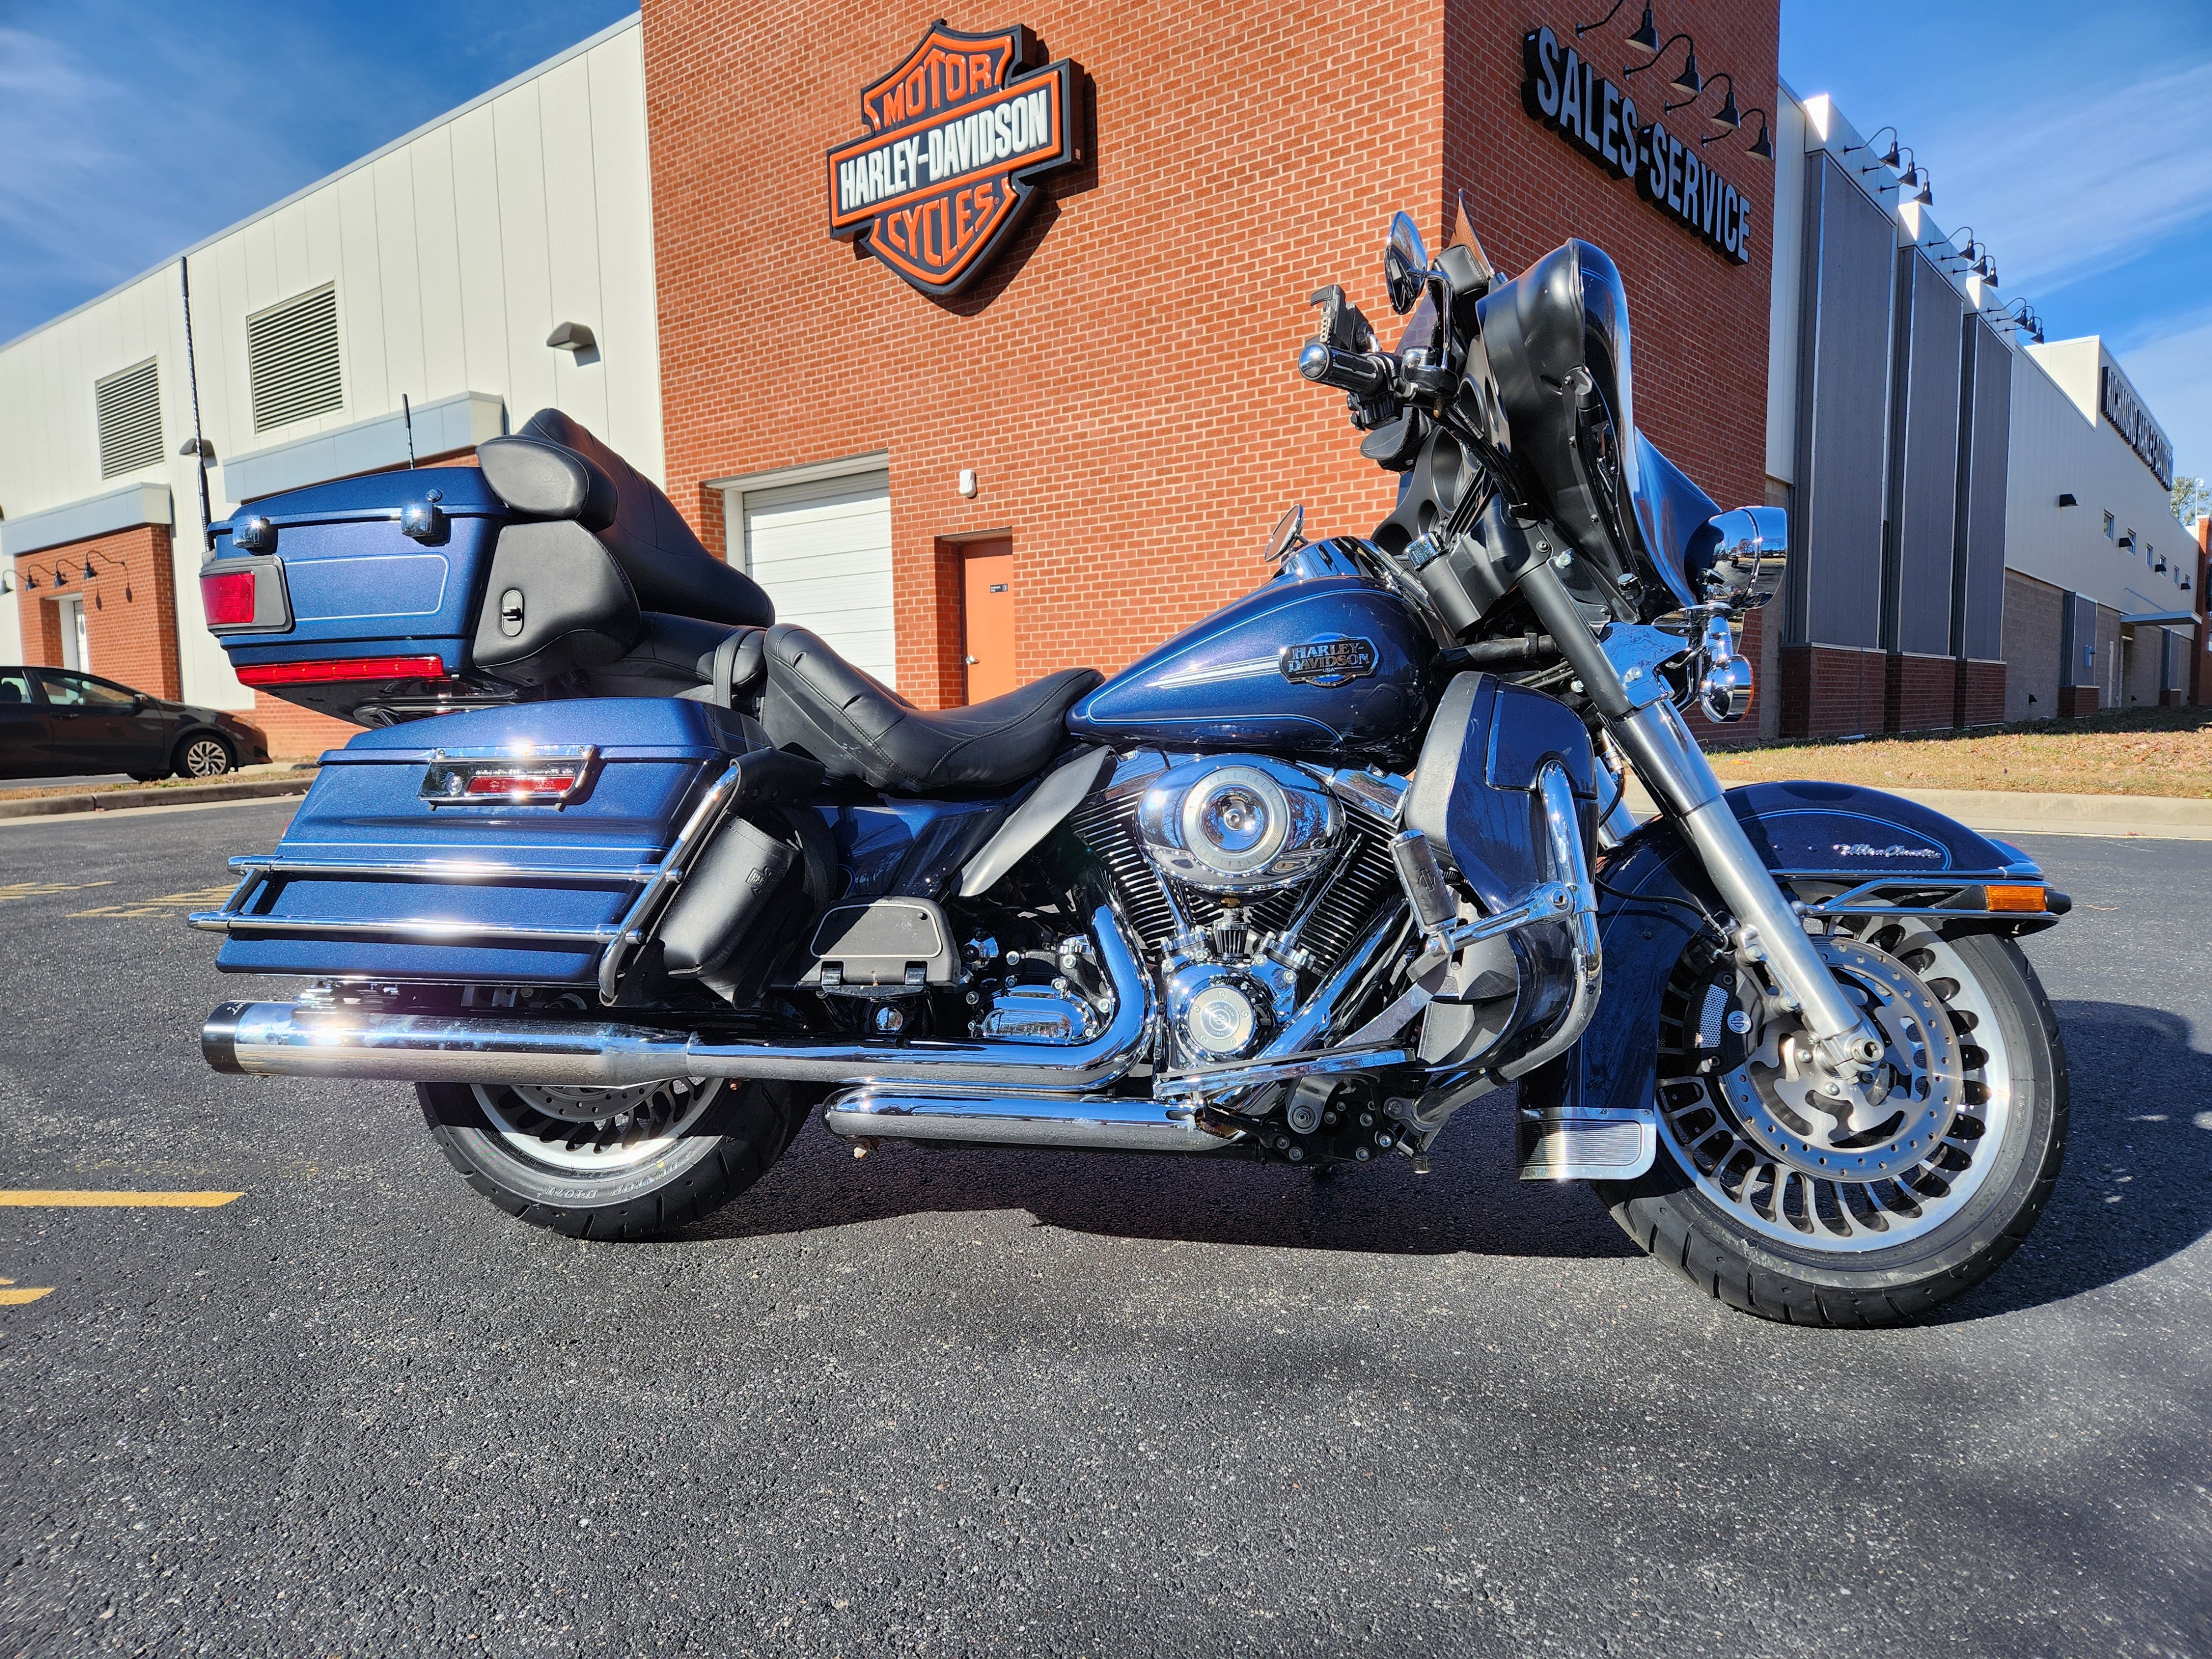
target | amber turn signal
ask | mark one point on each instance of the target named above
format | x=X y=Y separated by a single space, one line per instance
x=2014 y=898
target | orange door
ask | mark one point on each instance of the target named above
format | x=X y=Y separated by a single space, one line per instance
x=988 y=603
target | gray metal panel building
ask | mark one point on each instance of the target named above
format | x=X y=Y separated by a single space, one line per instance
x=1923 y=457
x=1835 y=587
x=1985 y=443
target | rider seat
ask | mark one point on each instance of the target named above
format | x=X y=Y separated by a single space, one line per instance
x=858 y=727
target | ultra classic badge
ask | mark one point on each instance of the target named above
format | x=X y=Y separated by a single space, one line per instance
x=1332 y=661
x=957 y=135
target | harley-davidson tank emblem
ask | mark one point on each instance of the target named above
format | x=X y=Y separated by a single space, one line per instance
x=957 y=135
x=1330 y=661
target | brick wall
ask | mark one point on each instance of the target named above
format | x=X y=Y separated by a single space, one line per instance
x=2034 y=632
x=130 y=606
x=1122 y=380
x=1920 y=693
x=294 y=732
x=1982 y=692
x=1828 y=690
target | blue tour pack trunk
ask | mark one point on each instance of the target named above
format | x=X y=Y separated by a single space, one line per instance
x=391 y=566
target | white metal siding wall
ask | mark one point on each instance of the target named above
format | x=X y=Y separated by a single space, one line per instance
x=454 y=252
x=2056 y=451
x=823 y=551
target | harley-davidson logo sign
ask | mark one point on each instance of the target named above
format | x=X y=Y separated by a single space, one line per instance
x=956 y=135
x=1333 y=660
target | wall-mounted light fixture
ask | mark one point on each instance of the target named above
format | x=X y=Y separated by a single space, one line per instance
x=1646 y=38
x=1889 y=158
x=571 y=338
x=2067 y=499
x=2127 y=540
x=1727 y=118
x=6 y=586
x=1688 y=80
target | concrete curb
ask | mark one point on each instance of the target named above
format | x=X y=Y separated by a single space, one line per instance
x=2001 y=813
x=116 y=800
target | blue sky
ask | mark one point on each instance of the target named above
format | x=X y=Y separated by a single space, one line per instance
x=2076 y=140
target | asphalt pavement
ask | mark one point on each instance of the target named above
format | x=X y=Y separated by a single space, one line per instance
x=991 y=1402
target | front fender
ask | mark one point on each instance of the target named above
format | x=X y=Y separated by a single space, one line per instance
x=1653 y=897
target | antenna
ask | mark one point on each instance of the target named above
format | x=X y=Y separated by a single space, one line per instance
x=407 y=414
x=199 y=448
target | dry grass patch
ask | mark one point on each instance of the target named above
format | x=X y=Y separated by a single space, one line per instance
x=2142 y=751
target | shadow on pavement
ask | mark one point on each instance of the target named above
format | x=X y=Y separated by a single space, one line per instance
x=2137 y=1185
x=1469 y=1201
x=2136 y=1188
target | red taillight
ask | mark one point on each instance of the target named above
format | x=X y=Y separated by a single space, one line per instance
x=228 y=598
x=345 y=668
x=523 y=785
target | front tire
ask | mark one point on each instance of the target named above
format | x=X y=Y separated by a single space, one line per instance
x=1800 y=1245
x=613 y=1164
x=203 y=754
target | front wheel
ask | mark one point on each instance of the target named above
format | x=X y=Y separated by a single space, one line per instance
x=203 y=756
x=613 y=1164
x=1781 y=1202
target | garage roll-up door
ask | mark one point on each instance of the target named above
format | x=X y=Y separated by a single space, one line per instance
x=823 y=551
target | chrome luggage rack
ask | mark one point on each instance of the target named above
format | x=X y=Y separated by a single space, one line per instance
x=617 y=942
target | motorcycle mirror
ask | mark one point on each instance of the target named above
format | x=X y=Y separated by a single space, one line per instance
x=1405 y=264
x=1750 y=552
x=1287 y=534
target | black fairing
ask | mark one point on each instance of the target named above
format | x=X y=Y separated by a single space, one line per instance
x=1557 y=341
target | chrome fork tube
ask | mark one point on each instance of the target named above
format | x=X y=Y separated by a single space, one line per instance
x=1667 y=758
x=1676 y=770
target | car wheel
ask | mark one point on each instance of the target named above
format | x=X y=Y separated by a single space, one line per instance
x=205 y=755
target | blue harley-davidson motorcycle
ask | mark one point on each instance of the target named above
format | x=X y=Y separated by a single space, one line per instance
x=665 y=875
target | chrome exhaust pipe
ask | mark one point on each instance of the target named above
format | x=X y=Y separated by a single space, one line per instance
x=1102 y=1122
x=288 y=1039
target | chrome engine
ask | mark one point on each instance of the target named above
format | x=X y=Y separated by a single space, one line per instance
x=1240 y=873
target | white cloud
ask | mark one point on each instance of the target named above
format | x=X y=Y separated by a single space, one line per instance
x=2075 y=183
x=2171 y=367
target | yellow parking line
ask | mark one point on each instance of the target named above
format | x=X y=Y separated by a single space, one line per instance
x=35 y=1198
x=17 y=1298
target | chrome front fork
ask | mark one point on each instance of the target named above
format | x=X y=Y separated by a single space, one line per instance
x=1622 y=676
x=1676 y=770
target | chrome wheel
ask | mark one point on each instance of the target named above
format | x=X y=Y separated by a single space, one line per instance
x=1791 y=1156
x=595 y=1132
x=205 y=757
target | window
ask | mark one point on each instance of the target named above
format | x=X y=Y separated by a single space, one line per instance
x=2108 y=526
x=15 y=685
x=82 y=691
x=292 y=359
x=129 y=404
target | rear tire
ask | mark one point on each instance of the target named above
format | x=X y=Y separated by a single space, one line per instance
x=658 y=1158
x=1698 y=1211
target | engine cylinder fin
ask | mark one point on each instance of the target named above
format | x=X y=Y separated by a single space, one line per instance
x=1363 y=882
x=1107 y=825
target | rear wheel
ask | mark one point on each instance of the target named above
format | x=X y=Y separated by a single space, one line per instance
x=203 y=756
x=613 y=1164
x=1780 y=1201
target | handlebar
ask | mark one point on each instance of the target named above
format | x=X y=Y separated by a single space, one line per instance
x=1366 y=373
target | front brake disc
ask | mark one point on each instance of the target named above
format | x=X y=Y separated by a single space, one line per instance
x=1807 y=1118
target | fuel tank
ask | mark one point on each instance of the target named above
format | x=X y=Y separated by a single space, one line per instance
x=1321 y=661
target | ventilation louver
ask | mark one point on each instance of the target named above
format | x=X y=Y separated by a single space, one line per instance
x=292 y=359
x=130 y=408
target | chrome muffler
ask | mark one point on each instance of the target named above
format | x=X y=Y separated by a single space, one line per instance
x=1104 y=1122
x=287 y=1039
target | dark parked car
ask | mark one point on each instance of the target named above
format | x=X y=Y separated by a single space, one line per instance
x=55 y=722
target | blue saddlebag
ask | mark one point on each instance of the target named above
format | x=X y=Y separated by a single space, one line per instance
x=373 y=880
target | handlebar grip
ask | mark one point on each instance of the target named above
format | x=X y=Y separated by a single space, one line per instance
x=1364 y=372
